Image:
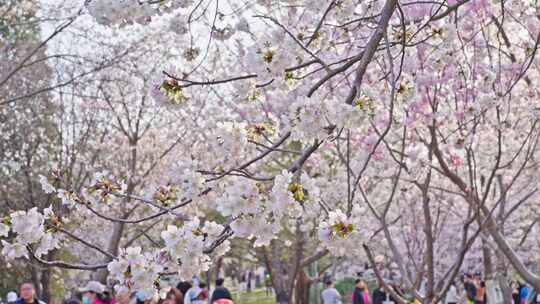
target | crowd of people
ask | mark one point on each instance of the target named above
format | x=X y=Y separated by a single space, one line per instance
x=360 y=294
x=186 y=292
x=475 y=288
x=194 y=292
x=520 y=293
x=473 y=292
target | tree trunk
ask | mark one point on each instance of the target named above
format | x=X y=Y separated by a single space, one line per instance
x=277 y=273
x=302 y=288
x=491 y=227
x=501 y=266
x=112 y=248
x=46 y=288
x=46 y=280
x=488 y=261
x=529 y=276
x=118 y=230
x=502 y=278
x=35 y=275
x=213 y=273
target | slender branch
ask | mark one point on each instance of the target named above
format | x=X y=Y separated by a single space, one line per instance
x=380 y=279
x=371 y=47
x=80 y=240
x=318 y=255
x=319 y=25
x=278 y=143
x=153 y=216
x=57 y=31
x=62 y=264
x=294 y=38
x=209 y=82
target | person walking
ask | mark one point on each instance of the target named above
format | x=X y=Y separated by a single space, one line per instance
x=523 y=293
x=480 y=286
x=198 y=296
x=28 y=295
x=537 y=297
x=188 y=295
x=268 y=284
x=330 y=295
x=470 y=289
x=515 y=292
x=379 y=295
x=243 y=281
x=95 y=293
x=220 y=292
x=452 y=294
x=205 y=291
x=360 y=293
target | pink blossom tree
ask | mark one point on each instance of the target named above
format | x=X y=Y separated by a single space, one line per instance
x=401 y=128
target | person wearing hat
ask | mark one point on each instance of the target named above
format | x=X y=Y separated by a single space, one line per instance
x=95 y=293
x=220 y=292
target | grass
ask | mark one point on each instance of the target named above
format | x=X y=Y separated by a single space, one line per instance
x=254 y=297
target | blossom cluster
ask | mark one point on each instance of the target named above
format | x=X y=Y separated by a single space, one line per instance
x=183 y=254
x=342 y=234
x=124 y=12
x=27 y=233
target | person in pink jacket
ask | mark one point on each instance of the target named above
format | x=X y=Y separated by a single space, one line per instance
x=95 y=293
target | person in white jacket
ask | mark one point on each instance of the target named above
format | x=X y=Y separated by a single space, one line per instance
x=189 y=294
x=330 y=295
x=452 y=295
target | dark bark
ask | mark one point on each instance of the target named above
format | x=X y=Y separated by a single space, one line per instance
x=278 y=274
x=282 y=297
x=303 y=285
x=35 y=276
x=46 y=288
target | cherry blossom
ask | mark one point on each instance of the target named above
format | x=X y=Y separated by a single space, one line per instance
x=339 y=128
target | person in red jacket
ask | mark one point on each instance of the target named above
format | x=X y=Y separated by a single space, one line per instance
x=95 y=293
